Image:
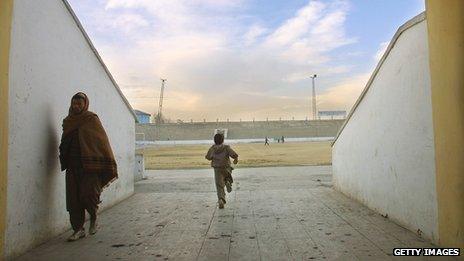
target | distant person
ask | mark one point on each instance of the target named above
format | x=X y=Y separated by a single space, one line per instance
x=282 y=139
x=266 y=141
x=219 y=154
x=86 y=155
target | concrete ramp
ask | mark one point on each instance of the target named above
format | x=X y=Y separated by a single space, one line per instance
x=287 y=213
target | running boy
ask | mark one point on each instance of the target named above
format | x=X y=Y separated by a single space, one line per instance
x=220 y=155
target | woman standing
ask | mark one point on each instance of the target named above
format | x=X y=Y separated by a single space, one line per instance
x=86 y=155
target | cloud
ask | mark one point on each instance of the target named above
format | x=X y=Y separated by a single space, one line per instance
x=173 y=16
x=316 y=29
x=326 y=71
x=218 y=58
x=382 y=48
x=344 y=94
x=126 y=22
x=298 y=26
x=253 y=33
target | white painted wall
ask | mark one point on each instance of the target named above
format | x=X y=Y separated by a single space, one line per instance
x=50 y=60
x=384 y=157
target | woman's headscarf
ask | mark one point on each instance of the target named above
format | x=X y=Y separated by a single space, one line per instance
x=73 y=121
x=83 y=96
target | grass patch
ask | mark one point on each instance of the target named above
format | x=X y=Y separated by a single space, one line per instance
x=250 y=155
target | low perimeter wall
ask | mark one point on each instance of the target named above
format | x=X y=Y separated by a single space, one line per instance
x=384 y=155
x=238 y=130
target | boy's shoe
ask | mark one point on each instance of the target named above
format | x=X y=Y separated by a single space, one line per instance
x=93 y=227
x=221 y=204
x=77 y=235
x=228 y=186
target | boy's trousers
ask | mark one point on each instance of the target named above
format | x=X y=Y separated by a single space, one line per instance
x=220 y=175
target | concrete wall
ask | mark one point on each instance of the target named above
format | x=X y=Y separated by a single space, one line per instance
x=240 y=130
x=384 y=155
x=50 y=60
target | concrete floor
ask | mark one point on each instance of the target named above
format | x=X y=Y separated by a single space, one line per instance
x=287 y=213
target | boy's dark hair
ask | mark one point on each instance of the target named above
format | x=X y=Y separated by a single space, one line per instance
x=218 y=139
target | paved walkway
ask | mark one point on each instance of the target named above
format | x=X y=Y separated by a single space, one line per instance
x=289 y=213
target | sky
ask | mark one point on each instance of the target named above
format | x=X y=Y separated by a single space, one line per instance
x=242 y=59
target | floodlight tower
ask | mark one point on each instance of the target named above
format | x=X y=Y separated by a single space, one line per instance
x=313 y=77
x=160 y=108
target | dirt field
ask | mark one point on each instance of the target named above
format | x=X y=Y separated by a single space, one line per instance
x=251 y=155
